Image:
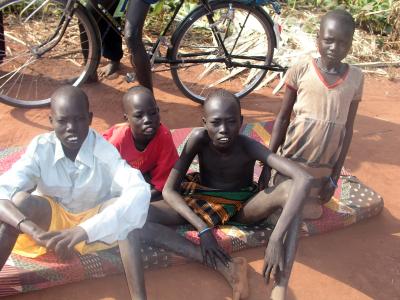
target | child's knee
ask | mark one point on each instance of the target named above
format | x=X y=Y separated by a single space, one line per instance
x=21 y=201
x=284 y=188
x=33 y=207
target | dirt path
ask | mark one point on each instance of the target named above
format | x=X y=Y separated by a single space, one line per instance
x=360 y=262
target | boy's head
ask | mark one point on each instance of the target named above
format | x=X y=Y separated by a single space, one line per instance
x=70 y=118
x=222 y=118
x=142 y=113
x=335 y=36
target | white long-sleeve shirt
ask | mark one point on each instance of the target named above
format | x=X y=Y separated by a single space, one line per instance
x=97 y=175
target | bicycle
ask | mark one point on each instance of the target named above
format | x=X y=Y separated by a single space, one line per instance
x=47 y=43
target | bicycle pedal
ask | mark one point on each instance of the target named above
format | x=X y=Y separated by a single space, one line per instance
x=130 y=77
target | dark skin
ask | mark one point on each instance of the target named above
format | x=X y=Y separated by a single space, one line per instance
x=227 y=162
x=334 y=42
x=223 y=153
x=143 y=115
x=134 y=21
x=70 y=119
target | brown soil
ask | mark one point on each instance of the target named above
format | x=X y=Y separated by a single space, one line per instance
x=360 y=262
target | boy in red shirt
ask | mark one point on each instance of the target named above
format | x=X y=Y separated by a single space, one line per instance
x=144 y=142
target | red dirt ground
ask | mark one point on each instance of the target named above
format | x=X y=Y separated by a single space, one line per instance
x=360 y=262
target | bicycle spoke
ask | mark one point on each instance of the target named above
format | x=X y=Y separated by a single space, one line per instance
x=16 y=71
x=8 y=35
x=246 y=35
x=43 y=49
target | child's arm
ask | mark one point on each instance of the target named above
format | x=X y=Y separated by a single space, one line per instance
x=300 y=188
x=167 y=156
x=283 y=119
x=279 y=130
x=209 y=246
x=329 y=189
x=22 y=176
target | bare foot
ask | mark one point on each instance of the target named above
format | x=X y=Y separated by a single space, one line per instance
x=238 y=282
x=278 y=292
x=109 y=69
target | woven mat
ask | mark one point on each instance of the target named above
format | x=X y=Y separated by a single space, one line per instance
x=352 y=202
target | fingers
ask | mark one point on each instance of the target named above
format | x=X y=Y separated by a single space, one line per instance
x=61 y=249
x=281 y=264
x=48 y=235
x=53 y=241
x=223 y=257
x=267 y=274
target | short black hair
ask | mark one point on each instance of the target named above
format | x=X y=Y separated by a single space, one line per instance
x=220 y=93
x=343 y=16
x=70 y=91
x=138 y=89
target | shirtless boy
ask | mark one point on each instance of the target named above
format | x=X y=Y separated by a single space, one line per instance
x=227 y=164
x=144 y=142
x=83 y=192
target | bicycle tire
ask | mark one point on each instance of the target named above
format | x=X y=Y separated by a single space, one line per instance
x=196 y=84
x=26 y=79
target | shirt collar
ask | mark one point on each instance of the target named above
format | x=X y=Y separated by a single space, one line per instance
x=85 y=154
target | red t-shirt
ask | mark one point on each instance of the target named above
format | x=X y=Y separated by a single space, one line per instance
x=157 y=159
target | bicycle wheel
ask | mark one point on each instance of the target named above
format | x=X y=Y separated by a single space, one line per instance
x=248 y=37
x=29 y=74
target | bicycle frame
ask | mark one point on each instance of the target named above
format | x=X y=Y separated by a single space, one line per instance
x=227 y=59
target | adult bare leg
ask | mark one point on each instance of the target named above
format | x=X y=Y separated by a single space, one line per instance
x=37 y=211
x=135 y=17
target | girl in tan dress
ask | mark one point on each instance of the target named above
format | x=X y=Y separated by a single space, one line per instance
x=323 y=95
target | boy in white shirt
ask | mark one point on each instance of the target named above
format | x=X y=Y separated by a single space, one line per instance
x=70 y=190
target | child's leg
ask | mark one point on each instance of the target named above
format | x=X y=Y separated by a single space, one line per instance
x=264 y=203
x=130 y=249
x=36 y=209
x=259 y=208
x=162 y=236
x=291 y=242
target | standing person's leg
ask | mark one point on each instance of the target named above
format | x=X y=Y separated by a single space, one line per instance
x=111 y=41
x=36 y=209
x=135 y=17
x=2 y=41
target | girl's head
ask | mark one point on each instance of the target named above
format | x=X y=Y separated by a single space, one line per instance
x=335 y=36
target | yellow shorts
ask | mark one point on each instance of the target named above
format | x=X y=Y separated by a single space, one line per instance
x=60 y=220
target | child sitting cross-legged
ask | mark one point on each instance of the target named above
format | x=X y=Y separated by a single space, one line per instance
x=71 y=190
x=144 y=142
x=223 y=190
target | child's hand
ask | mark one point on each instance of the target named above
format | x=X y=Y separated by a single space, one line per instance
x=37 y=237
x=212 y=251
x=273 y=260
x=327 y=191
x=63 y=242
